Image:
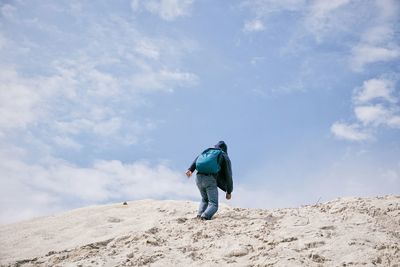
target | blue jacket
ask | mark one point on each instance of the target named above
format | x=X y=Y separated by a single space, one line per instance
x=224 y=176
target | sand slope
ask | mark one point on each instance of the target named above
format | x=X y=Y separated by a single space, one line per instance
x=343 y=232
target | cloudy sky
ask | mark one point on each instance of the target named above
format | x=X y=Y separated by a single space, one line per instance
x=105 y=101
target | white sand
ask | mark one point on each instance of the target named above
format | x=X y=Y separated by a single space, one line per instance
x=343 y=232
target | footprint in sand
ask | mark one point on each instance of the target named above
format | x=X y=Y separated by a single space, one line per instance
x=114 y=220
x=181 y=220
x=329 y=227
x=153 y=230
x=315 y=244
x=317 y=258
x=238 y=252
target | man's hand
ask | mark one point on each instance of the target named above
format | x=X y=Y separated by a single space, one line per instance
x=228 y=196
x=188 y=173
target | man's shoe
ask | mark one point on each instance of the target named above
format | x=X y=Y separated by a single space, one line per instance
x=204 y=218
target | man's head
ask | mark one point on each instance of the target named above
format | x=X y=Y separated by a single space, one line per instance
x=221 y=145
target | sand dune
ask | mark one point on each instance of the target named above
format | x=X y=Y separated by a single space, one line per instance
x=343 y=232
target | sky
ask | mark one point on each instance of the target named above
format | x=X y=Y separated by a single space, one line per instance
x=108 y=101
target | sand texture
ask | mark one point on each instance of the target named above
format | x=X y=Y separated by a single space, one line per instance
x=342 y=232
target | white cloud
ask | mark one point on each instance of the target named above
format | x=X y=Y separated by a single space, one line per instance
x=79 y=98
x=256 y=60
x=82 y=101
x=323 y=18
x=135 y=5
x=354 y=173
x=20 y=101
x=320 y=8
x=26 y=102
x=117 y=130
x=163 y=80
x=391 y=175
x=375 y=89
x=389 y=9
x=3 y=41
x=66 y=142
x=394 y=121
x=378 y=42
x=73 y=127
x=375 y=115
x=378 y=35
x=167 y=9
x=253 y=26
x=108 y=127
x=7 y=10
x=102 y=84
x=320 y=12
x=148 y=49
x=266 y=7
x=385 y=113
x=52 y=183
x=337 y=19
x=82 y=94
x=355 y=176
x=370 y=115
x=375 y=102
x=350 y=132
x=364 y=54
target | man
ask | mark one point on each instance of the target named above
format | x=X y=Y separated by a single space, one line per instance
x=209 y=181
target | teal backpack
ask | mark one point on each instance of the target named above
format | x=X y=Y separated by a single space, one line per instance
x=208 y=162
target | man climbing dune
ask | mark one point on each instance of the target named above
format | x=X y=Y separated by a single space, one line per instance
x=213 y=170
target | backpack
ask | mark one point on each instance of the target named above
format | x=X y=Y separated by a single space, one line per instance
x=209 y=161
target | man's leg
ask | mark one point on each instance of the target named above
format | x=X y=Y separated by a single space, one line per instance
x=203 y=192
x=212 y=196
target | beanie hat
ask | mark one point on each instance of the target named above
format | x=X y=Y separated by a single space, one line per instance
x=221 y=145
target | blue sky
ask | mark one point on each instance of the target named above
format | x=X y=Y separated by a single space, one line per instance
x=111 y=100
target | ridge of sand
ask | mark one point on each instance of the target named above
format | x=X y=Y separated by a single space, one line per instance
x=342 y=232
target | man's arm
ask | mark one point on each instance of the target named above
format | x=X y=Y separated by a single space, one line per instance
x=228 y=174
x=192 y=168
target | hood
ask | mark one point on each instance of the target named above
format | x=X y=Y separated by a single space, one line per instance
x=221 y=145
